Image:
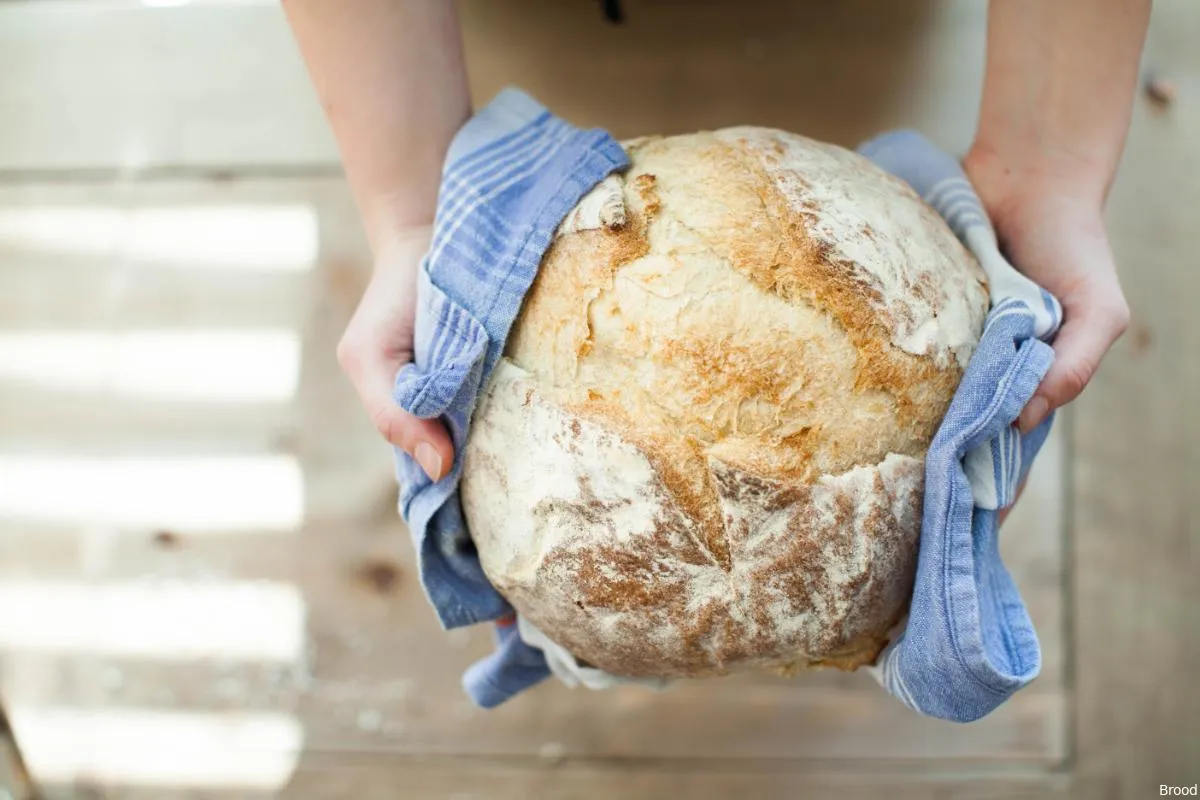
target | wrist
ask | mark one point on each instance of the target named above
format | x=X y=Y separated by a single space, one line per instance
x=397 y=221
x=402 y=243
x=1013 y=182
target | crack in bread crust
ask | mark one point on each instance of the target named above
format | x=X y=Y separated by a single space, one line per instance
x=817 y=574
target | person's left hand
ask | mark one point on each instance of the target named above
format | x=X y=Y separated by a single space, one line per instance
x=378 y=342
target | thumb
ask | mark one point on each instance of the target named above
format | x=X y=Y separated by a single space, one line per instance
x=426 y=440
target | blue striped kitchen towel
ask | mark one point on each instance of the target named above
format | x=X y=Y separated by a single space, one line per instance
x=512 y=174
x=968 y=643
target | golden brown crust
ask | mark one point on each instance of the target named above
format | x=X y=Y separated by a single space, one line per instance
x=805 y=270
x=708 y=454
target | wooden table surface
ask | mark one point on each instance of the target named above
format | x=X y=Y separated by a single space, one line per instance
x=204 y=587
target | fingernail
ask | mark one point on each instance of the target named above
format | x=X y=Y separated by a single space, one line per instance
x=1033 y=414
x=429 y=460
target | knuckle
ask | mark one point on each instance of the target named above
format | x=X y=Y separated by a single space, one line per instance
x=1120 y=317
x=385 y=422
x=391 y=424
x=347 y=355
x=1075 y=378
x=1111 y=311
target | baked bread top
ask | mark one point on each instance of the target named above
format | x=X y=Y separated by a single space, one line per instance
x=703 y=449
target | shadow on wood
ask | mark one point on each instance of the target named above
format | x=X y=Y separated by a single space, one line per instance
x=674 y=67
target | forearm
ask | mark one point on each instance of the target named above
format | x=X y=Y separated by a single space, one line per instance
x=1058 y=92
x=391 y=79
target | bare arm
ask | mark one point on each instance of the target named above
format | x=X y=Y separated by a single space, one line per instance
x=1059 y=86
x=390 y=76
x=1057 y=100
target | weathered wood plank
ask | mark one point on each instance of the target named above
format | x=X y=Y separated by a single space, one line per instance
x=1136 y=532
x=375 y=675
x=381 y=777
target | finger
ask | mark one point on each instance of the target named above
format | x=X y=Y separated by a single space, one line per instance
x=1087 y=335
x=426 y=440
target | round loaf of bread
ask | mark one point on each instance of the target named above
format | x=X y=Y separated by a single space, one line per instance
x=703 y=450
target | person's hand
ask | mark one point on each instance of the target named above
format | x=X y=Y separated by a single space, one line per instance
x=1056 y=236
x=378 y=341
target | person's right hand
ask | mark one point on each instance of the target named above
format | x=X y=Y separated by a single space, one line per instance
x=378 y=341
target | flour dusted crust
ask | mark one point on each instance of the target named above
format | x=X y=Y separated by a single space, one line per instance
x=703 y=450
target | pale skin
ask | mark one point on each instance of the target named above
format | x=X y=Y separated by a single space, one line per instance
x=1057 y=99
